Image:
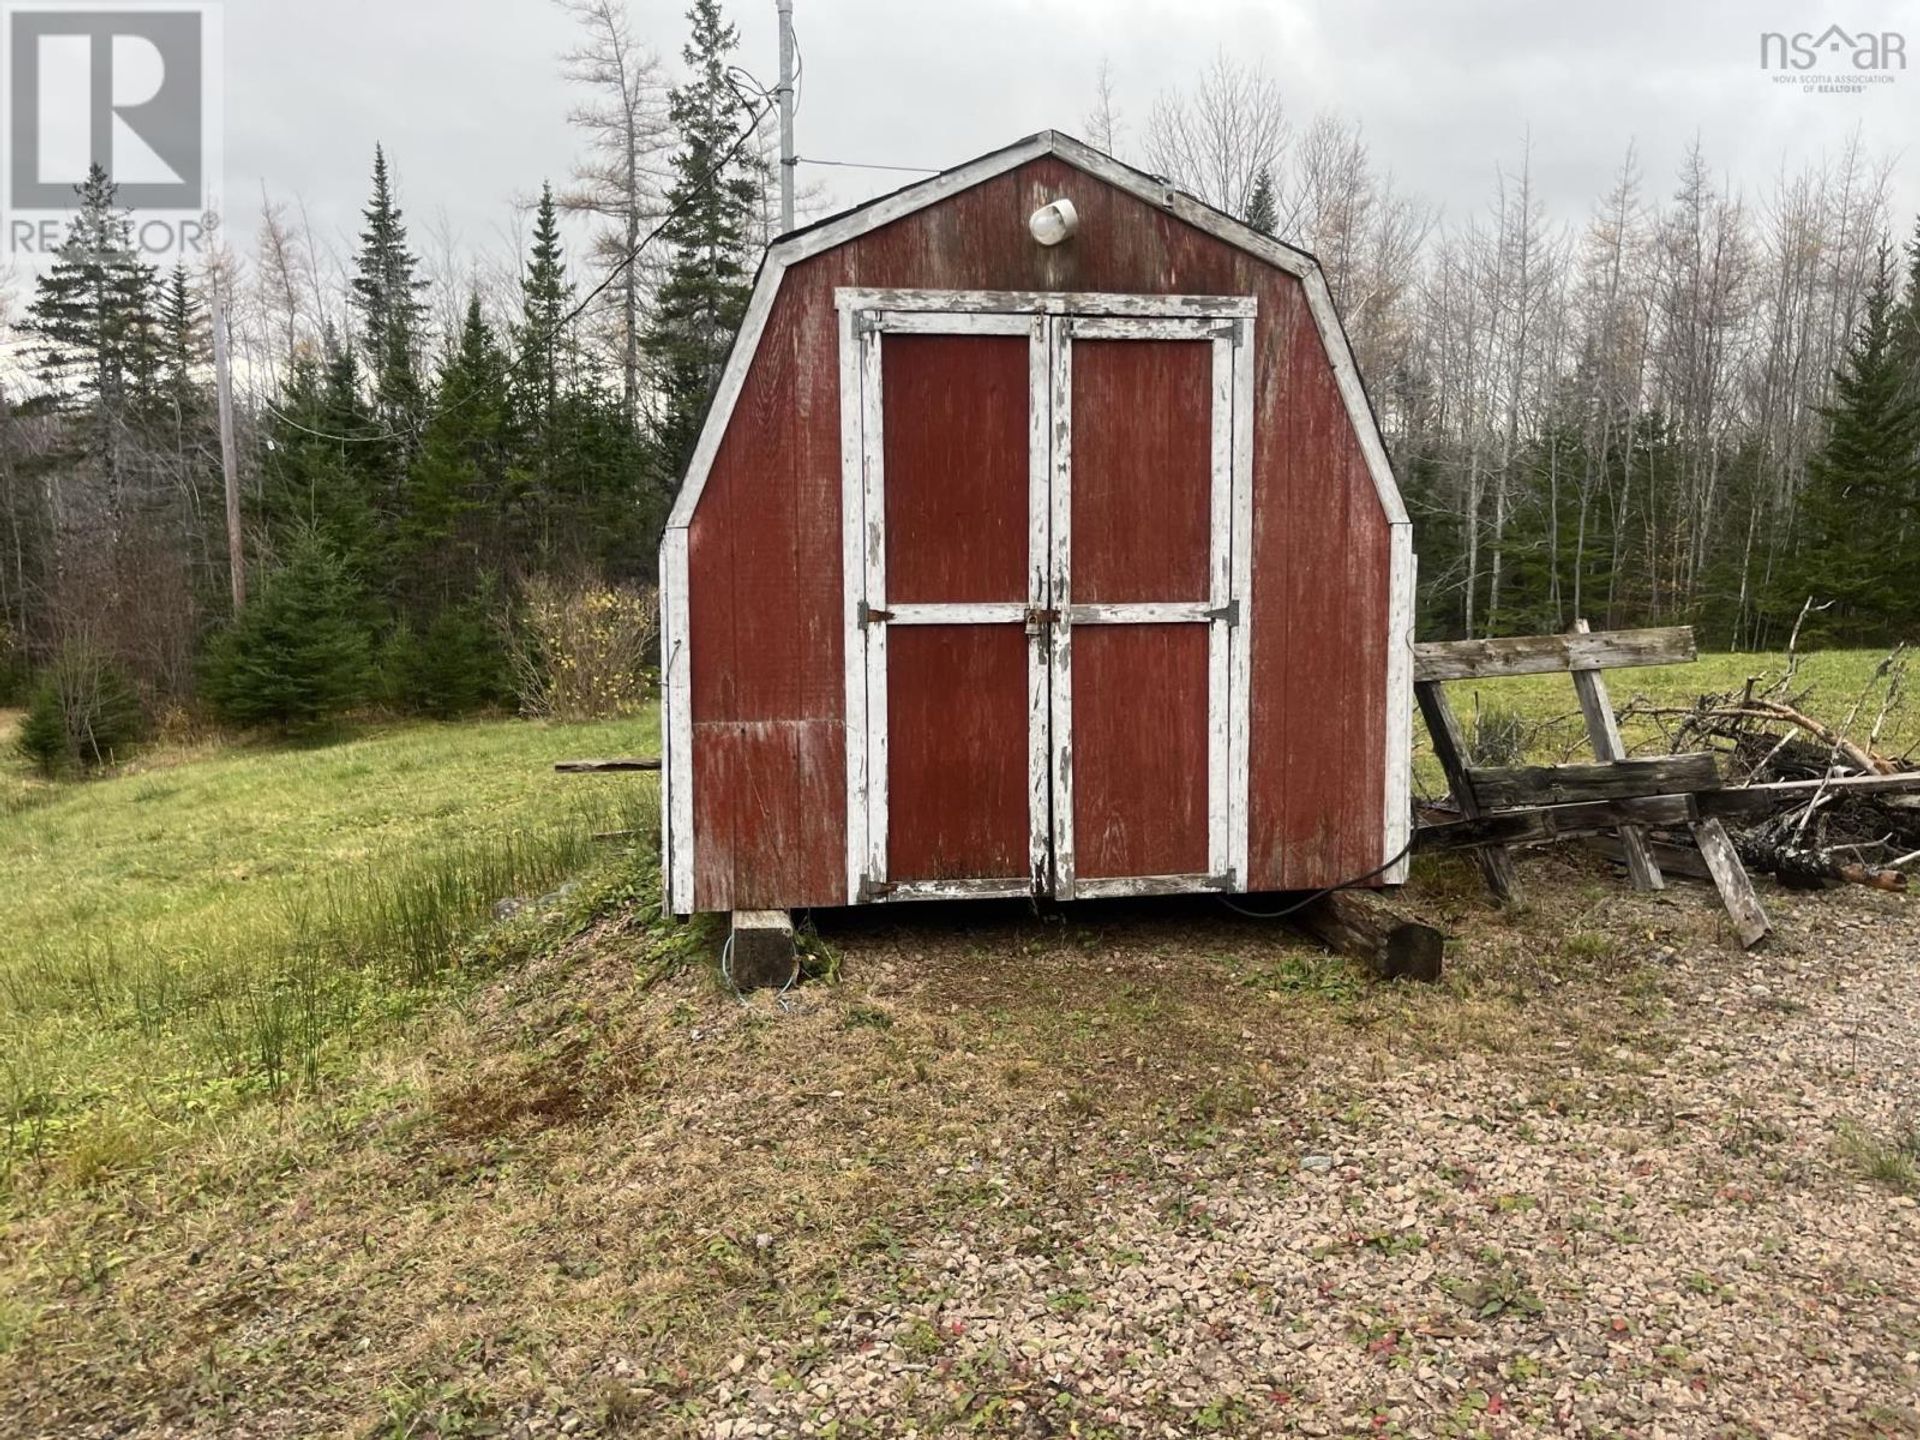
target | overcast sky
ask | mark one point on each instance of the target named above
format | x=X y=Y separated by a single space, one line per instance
x=468 y=97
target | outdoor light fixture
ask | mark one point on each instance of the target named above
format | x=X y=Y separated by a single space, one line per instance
x=1056 y=222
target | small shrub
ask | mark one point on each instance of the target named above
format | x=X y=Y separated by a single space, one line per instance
x=84 y=712
x=1499 y=736
x=299 y=653
x=580 y=649
x=457 y=667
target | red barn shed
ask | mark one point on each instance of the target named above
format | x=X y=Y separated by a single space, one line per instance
x=1033 y=553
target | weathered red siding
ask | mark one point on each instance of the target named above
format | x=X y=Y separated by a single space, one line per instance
x=764 y=551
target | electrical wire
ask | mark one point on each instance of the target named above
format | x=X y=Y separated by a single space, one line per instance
x=857 y=165
x=1298 y=906
x=620 y=267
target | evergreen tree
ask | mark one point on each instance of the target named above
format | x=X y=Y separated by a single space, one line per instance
x=715 y=203
x=1263 y=211
x=1860 y=514
x=299 y=653
x=321 y=468
x=387 y=295
x=546 y=297
x=183 y=346
x=93 y=310
x=460 y=491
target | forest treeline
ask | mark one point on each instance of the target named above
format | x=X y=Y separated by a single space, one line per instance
x=1691 y=405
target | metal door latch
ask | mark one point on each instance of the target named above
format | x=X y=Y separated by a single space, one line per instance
x=1040 y=620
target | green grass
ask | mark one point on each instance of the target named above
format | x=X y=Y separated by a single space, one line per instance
x=1550 y=714
x=221 y=924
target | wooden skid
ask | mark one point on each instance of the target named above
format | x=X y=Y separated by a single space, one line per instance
x=1525 y=785
x=1548 y=654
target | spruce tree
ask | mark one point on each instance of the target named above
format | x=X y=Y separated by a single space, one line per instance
x=387 y=295
x=183 y=346
x=1860 y=514
x=546 y=297
x=93 y=311
x=458 y=491
x=714 y=202
x=299 y=653
x=1263 y=211
x=320 y=469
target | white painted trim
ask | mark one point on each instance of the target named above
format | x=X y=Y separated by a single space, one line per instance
x=1220 y=631
x=896 y=304
x=932 y=322
x=1119 y=887
x=1241 y=684
x=1143 y=612
x=975 y=612
x=1120 y=327
x=873 y=491
x=1060 y=588
x=1006 y=889
x=1400 y=628
x=853 y=584
x=1346 y=375
x=677 y=698
x=1039 y=596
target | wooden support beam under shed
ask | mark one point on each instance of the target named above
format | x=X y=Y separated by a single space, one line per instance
x=605 y=767
x=760 y=950
x=1361 y=925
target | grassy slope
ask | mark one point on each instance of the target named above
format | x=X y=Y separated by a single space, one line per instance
x=201 y=926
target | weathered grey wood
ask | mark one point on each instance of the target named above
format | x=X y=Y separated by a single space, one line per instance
x=760 y=949
x=1603 y=731
x=1362 y=925
x=1750 y=921
x=1546 y=654
x=1450 y=748
x=1673 y=859
x=1559 y=822
x=1520 y=786
x=604 y=767
x=1748 y=801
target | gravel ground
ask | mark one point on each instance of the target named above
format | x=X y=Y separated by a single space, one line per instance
x=1673 y=1237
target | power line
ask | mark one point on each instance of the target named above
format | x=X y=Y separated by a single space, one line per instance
x=857 y=165
x=625 y=263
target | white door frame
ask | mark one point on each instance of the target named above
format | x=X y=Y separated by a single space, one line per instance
x=1051 y=321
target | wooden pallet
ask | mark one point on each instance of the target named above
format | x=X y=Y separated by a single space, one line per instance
x=1615 y=795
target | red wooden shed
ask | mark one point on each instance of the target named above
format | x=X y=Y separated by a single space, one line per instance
x=1014 y=564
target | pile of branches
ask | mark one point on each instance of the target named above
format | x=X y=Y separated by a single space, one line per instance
x=1773 y=731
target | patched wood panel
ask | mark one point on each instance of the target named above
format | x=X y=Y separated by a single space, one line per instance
x=770 y=811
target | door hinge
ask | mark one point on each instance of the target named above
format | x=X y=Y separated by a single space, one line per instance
x=1229 y=612
x=867 y=615
x=872 y=889
x=866 y=322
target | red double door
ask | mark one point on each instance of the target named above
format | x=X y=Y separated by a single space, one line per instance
x=1047 y=674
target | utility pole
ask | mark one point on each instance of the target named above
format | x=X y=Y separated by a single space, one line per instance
x=788 y=160
x=229 y=456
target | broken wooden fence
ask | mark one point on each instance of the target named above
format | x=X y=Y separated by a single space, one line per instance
x=1529 y=804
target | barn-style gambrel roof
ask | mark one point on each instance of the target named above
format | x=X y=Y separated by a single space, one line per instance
x=825 y=234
